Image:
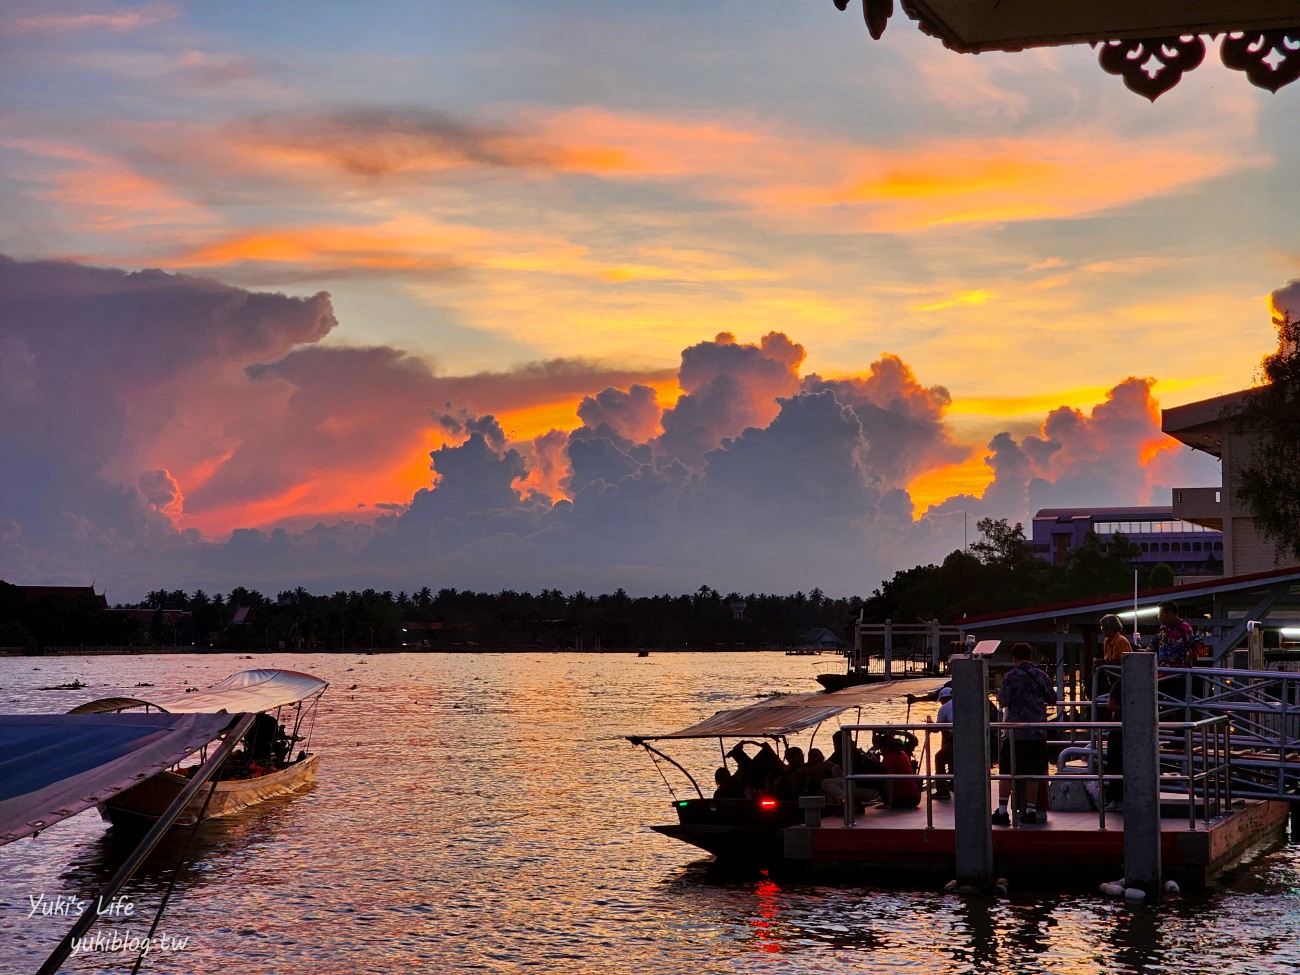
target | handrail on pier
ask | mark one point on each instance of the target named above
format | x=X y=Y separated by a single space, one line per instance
x=1204 y=762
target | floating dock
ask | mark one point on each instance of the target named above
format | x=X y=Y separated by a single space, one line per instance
x=890 y=845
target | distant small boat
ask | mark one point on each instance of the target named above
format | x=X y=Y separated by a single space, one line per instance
x=854 y=678
x=265 y=766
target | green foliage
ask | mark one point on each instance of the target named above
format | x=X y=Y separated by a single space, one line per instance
x=1271 y=415
x=1001 y=572
x=1161 y=576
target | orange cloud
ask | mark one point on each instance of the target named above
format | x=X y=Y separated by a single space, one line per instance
x=815 y=178
x=1036 y=404
x=962 y=299
x=101 y=192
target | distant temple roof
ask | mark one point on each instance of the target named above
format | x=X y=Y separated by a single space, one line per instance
x=65 y=594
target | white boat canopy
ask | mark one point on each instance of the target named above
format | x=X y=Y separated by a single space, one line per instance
x=248 y=690
x=778 y=717
x=53 y=766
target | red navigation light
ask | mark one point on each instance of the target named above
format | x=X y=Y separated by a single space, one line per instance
x=766 y=803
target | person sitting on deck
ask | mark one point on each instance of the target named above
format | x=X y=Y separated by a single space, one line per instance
x=261 y=740
x=898 y=793
x=863 y=764
x=818 y=769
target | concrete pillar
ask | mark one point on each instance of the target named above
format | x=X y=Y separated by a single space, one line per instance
x=1141 y=773
x=970 y=760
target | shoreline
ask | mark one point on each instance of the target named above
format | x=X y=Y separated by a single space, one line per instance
x=371 y=651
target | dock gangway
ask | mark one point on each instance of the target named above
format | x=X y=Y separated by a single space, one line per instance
x=1262 y=708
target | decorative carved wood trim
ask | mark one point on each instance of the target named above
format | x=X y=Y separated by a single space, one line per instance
x=1152 y=67
x=1270 y=58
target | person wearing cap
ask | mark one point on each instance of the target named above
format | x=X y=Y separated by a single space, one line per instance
x=943 y=757
x=1114 y=645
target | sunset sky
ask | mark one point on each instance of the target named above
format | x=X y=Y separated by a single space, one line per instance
x=598 y=294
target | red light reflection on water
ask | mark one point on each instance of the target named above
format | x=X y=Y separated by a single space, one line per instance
x=764 y=923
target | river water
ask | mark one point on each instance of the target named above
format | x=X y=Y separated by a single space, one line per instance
x=481 y=813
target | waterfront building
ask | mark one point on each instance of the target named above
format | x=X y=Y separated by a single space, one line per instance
x=1193 y=550
x=1202 y=425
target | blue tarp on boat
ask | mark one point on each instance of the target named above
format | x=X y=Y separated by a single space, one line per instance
x=53 y=766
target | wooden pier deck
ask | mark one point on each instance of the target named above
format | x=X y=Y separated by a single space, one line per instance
x=897 y=842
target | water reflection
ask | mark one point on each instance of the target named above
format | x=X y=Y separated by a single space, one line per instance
x=980 y=943
x=205 y=855
x=1136 y=941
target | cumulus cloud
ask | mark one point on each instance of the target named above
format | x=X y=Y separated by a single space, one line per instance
x=1114 y=454
x=902 y=420
x=633 y=414
x=1286 y=300
x=727 y=386
x=175 y=400
x=137 y=405
x=92 y=361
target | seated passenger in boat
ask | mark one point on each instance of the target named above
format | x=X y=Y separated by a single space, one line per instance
x=760 y=773
x=816 y=771
x=728 y=786
x=261 y=741
x=800 y=777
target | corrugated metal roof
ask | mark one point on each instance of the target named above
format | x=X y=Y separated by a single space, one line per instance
x=248 y=690
x=778 y=717
x=1105 y=604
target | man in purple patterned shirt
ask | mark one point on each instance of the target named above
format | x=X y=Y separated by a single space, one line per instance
x=1175 y=642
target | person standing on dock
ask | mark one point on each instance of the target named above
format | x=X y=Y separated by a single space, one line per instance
x=1114 y=646
x=1175 y=641
x=1024 y=695
x=943 y=757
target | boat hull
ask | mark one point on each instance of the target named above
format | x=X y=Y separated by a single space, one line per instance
x=734 y=830
x=730 y=844
x=142 y=805
x=837 y=682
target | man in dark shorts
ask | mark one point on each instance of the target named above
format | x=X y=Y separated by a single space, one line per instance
x=1024 y=695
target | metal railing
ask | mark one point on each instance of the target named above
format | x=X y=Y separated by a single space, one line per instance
x=1263 y=713
x=1196 y=761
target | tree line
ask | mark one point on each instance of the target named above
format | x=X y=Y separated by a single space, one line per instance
x=997 y=572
